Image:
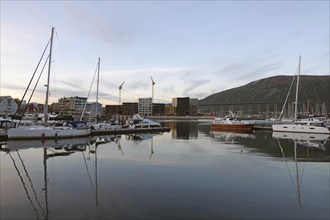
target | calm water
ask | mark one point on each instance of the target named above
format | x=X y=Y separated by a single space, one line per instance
x=189 y=173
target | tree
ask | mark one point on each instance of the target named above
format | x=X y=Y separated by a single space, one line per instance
x=17 y=101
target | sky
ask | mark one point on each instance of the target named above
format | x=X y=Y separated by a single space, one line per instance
x=189 y=48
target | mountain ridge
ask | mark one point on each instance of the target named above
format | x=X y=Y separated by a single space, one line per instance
x=312 y=88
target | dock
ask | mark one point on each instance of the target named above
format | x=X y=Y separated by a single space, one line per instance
x=258 y=127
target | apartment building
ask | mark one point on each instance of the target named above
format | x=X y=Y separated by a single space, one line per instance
x=185 y=106
x=145 y=106
x=8 y=106
x=70 y=106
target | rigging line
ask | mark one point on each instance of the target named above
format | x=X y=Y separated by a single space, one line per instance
x=83 y=112
x=61 y=51
x=34 y=88
x=32 y=187
x=23 y=183
x=20 y=103
x=316 y=91
x=90 y=179
x=287 y=96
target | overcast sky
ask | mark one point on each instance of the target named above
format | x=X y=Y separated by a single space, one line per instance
x=190 y=48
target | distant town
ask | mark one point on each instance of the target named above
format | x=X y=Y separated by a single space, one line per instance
x=76 y=108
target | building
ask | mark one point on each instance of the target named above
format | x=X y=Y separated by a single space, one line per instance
x=94 y=109
x=170 y=110
x=111 y=110
x=145 y=106
x=70 y=106
x=158 y=109
x=193 y=106
x=130 y=108
x=8 y=106
x=182 y=105
x=93 y=106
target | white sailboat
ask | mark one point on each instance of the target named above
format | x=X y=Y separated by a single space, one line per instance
x=102 y=126
x=33 y=131
x=307 y=125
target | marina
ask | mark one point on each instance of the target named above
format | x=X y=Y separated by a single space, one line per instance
x=194 y=110
x=190 y=172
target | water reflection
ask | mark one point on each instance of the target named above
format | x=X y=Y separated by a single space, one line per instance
x=296 y=141
x=161 y=176
x=31 y=196
x=138 y=138
x=231 y=137
x=304 y=140
x=68 y=144
x=183 y=130
x=51 y=149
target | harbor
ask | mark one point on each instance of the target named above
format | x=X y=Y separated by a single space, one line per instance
x=190 y=172
x=260 y=125
x=164 y=110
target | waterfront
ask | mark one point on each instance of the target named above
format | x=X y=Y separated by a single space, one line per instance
x=189 y=173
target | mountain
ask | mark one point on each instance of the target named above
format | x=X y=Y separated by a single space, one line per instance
x=312 y=89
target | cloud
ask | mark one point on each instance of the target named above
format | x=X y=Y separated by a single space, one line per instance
x=192 y=85
x=246 y=71
x=104 y=25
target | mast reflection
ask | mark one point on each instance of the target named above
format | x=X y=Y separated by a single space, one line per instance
x=303 y=141
x=60 y=147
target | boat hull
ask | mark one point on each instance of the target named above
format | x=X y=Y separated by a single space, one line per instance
x=46 y=133
x=298 y=128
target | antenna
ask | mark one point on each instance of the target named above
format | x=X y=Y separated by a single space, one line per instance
x=120 y=87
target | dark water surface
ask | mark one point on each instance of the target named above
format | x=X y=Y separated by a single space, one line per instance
x=189 y=173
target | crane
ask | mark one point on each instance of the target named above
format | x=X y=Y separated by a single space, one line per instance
x=153 y=83
x=152 y=97
x=120 y=87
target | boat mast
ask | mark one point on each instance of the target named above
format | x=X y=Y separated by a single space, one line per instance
x=97 y=90
x=47 y=86
x=297 y=89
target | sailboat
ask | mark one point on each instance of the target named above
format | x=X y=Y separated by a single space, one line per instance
x=302 y=125
x=101 y=127
x=33 y=131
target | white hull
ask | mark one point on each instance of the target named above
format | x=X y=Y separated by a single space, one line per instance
x=33 y=143
x=301 y=136
x=105 y=127
x=299 y=128
x=45 y=132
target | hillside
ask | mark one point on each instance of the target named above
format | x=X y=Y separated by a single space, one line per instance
x=274 y=89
